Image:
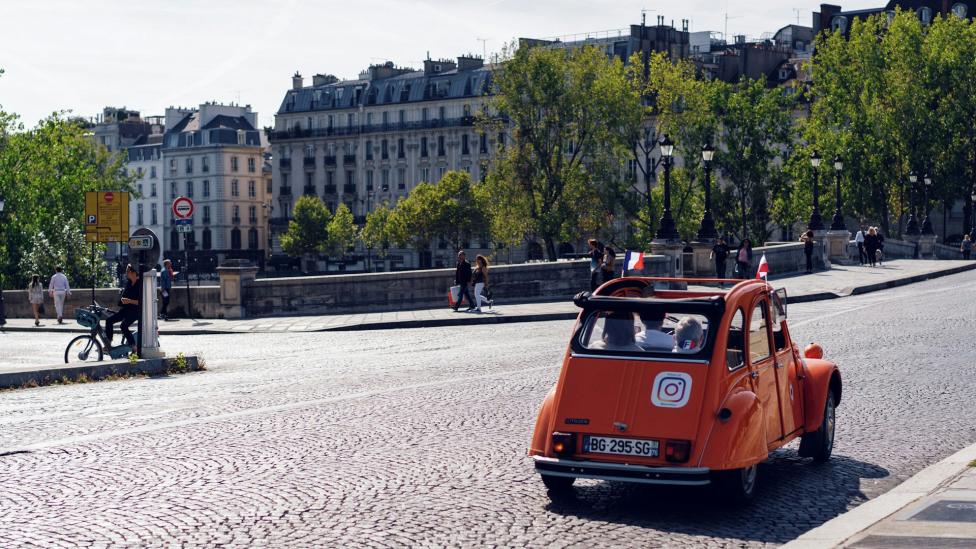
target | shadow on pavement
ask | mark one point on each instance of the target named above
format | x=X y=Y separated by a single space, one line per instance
x=794 y=496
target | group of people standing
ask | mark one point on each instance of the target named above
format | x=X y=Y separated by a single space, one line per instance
x=603 y=260
x=870 y=246
x=477 y=279
x=742 y=256
x=58 y=289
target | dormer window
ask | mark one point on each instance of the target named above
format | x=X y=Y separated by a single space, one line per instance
x=925 y=15
x=960 y=10
x=839 y=24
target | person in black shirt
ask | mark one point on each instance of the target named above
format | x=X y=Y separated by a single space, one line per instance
x=720 y=251
x=462 y=278
x=129 y=310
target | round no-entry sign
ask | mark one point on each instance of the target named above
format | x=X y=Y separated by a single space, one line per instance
x=183 y=208
x=109 y=197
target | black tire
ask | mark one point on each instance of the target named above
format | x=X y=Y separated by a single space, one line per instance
x=84 y=348
x=737 y=485
x=558 y=487
x=820 y=443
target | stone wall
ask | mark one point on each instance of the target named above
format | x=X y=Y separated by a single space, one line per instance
x=784 y=258
x=205 y=302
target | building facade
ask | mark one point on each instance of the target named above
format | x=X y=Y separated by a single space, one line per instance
x=214 y=156
x=833 y=17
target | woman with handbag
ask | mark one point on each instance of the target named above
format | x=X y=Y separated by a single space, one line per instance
x=35 y=294
x=480 y=280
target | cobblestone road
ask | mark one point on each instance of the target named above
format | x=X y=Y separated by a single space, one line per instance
x=418 y=437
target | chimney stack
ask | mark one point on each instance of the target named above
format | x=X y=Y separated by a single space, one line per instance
x=297 y=82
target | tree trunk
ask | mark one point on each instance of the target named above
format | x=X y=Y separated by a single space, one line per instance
x=550 y=248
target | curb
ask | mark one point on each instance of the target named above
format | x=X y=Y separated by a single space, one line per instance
x=440 y=322
x=835 y=532
x=94 y=372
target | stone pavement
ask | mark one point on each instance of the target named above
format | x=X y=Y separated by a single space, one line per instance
x=934 y=509
x=841 y=281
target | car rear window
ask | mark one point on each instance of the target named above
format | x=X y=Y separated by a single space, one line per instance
x=649 y=332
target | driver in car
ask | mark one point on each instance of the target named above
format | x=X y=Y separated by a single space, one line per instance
x=618 y=333
x=689 y=336
x=653 y=338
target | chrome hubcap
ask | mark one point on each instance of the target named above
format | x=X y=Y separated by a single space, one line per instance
x=749 y=478
x=829 y=422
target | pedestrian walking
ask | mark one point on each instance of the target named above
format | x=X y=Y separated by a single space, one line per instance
x=966 y=247
x=596 y=260
x=807 y=240
x=871 y=243
x=166 y=286
x=462 y=278
x=59 y=290
x=128 y=311
x=480 y=280
x=35 y=294
x=880 y=252
x=859 y=240
x=743 y=259
x=720 y=252
x=608 y=265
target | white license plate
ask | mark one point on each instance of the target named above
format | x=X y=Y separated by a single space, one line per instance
x=620 y=446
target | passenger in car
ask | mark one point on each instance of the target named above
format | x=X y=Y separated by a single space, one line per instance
x=653 y=338
x=688 y=335
x=618 y=333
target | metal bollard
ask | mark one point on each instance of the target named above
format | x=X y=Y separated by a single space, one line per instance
x=149 y=323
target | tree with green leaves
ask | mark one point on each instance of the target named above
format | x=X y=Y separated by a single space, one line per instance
x=308 y=230
x=377 y=230
x=566 y=110
x=449 y=210
x=342 y=232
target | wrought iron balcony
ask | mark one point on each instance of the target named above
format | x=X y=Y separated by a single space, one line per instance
x=284 y=163
x=330 y=160
x=309 y=189
x=349 y=159
x=330 y=189
x=284 y=190
x=349 y=189
x=309 y=161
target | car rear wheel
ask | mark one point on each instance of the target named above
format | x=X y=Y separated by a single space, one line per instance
x=820 y=443
x=558 y=486
x=737 y=485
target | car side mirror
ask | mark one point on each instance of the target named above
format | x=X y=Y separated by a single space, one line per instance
x=814 y=351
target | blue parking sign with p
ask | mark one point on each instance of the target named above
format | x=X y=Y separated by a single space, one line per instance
x=91 y=219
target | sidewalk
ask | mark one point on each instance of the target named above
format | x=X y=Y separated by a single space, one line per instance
x=934 y=509
x=841 y=281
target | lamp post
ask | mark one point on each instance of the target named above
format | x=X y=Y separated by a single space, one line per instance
x=838 y=222
x=816 y=222
x=3 y=310
x=667 y=229
x=707 y=232
x=912 y=228
x=927 y=224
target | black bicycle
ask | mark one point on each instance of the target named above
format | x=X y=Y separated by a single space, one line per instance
x=90 y=347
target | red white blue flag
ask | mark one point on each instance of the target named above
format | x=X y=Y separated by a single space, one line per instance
x=633 y=261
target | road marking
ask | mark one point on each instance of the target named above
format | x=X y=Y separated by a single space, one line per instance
x=263 y=410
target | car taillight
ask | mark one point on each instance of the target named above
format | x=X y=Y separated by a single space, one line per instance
x=563 y=444
x=677 y=451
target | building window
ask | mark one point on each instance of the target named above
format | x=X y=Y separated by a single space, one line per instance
x=385 y=180
x=189 y=165
x=424 y=175
x=369 y=150
x=139 y=214
x=235 y=239
x=139 y=190
x=401 y=179
x=401 y=149
x=440 y=172
x=350 y=120
x=152 y=190
x=441 y=113
x=270 y=187
x=207 y=239
x=206 y=214
x=205 y=164
x=154 y=215
x=440 y=145
x=152 y=172
x=237 y=215
x=384 y=150
x=483 y=143
x=252 y=239
x=350 y=177
x=424 y=114
x=252 y=214
x=423 y=147
x=483 y=172
x=250 y=165
x=206 y=188
x=369 y=119
x=172 y=190
x=369 y=180
x=403 y=116
x=252 y=189
x=189 y=189
x=234 y=188
x=329 y=178
x=233 y=163
x=464 y=144
x=172 y=166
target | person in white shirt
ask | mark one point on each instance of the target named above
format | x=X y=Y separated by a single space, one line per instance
x=652 y=338
x=859 y=240
x=59 y=289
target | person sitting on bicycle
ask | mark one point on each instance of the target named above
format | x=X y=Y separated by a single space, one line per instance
x=129 y=310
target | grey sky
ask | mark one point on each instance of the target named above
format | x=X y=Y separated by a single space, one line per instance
x=83 y=55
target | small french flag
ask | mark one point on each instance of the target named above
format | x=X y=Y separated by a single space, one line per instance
x=763 y=270
x=633 y=261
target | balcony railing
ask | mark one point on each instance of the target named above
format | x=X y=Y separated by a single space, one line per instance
x=284 y=163
x=349 y=189
x=309 y=189
x=372 y=128
x=330 y=160
x=284 y=191
x=252 y=220
x=330 y=189
x=236 y=220
x=349 y=159
x=309 y=161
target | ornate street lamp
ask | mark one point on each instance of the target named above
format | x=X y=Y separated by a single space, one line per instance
x=838 y=222
x=707 y=232
x=816 y=222
x=912 y=228
x=667 y=229
x=927 y=224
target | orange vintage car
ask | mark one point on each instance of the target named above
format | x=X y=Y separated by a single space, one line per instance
x=669 y=381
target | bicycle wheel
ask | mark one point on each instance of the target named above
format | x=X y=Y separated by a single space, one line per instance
x=84 y=348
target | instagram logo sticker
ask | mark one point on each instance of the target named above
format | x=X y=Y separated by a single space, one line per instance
x=671 y=390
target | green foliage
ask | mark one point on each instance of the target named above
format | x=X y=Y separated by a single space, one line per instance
x=570 y=113
x=377 y=231
x=44 y=174
x=342 y=231
x=308 y=230
x=448 y=210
